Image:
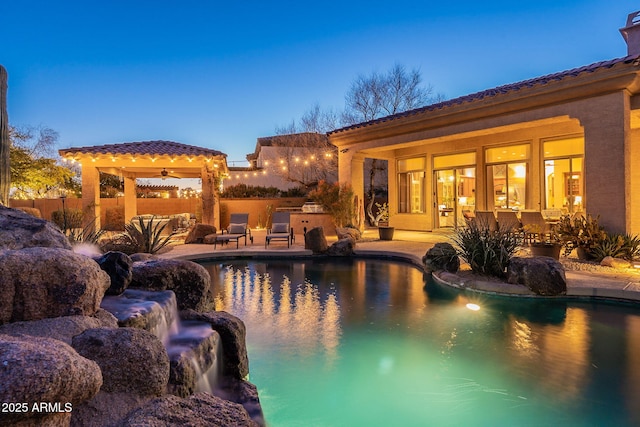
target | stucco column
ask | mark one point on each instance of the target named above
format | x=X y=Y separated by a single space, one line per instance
x=606 y=137
x=632 y=174
x=130 y=199
x=351 y=171
x=90 y=197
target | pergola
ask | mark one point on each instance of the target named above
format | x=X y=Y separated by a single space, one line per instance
x=147 y=159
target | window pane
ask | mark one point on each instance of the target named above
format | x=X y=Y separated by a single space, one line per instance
x=564 y=147
x=564 y=184
x=415 y=164
x=507 y=185
x=507 y=154
x=463 y=159
x=416 y=192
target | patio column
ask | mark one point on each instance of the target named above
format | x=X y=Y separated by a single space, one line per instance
x=90 y=196
x=130 y=199
x=351 y=171
x=607 y=135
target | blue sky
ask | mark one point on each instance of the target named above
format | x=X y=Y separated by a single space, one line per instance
x=221 y=74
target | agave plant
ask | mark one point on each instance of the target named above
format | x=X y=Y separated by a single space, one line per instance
x=487 y=251
x=146 y=236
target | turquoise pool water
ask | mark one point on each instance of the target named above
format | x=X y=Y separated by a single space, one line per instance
x=337 y=342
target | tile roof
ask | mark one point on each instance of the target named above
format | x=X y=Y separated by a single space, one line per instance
x=168 y=148
x=500 y=90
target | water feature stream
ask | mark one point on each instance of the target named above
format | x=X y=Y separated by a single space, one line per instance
x=194 y=348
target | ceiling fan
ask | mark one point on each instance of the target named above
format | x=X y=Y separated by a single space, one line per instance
x=164 y=174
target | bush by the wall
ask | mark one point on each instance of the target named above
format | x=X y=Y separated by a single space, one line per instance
x=114 y=219
x=67 y=219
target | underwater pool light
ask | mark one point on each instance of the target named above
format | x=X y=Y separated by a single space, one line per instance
x=474 y=307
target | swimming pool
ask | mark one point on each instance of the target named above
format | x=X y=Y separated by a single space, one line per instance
x=355 y=342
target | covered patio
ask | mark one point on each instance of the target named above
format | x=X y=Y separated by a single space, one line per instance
x=147 y=159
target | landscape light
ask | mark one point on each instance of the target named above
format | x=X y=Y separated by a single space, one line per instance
x=473 y=307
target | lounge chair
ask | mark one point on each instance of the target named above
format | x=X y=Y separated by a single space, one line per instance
x=486 y=220
x=280 y=229
x=238 y=228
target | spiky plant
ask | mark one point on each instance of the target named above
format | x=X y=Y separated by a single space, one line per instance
x=146 y=236
x=487 y=252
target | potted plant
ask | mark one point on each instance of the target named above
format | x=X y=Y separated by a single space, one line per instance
x=582 y=233
x=382 y=221
x=545 y=243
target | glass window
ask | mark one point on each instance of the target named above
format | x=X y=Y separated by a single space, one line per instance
x=449 y=161
x=507 y=177
x=411 y=182
x=509 y=153
x=563 y=179
x=406 y=165
x=508 y=185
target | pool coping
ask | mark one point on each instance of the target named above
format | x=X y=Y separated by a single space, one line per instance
x=580 y=284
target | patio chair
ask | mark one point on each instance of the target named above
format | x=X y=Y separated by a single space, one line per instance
x=534 y=225
x=280 y=229
x=508 y=221
x=238 y=228
x=486 y=220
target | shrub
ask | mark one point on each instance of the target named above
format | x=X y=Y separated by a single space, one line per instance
x=487 y=252
x=617 y=246
x=295 y=192
x=336 y=200
x=88 y=234
x=35 y=212
x=241 y=191
x=114 y=218
x=67 y=219
x=579 y=232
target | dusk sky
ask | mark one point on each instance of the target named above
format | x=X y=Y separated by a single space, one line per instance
x=221 y=74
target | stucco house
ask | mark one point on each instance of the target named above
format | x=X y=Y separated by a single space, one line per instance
x=287 y=161
x=568 y=141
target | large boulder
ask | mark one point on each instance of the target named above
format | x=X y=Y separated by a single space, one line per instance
x=233 y=335
x=542 y=275
x=198 y=232
x=20 y=230
x=36 y=283
x=343 y=247
x=188 y=280
x=132 y=360
x=618 y=263
x=118 y=266
x=442 y=256
x=200 y=409
x=61 y=328
x=44 y=371
x=244 y=393
x=344 y=232
x=315 y=240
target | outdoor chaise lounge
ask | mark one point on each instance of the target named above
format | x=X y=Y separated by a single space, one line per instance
x=238 y=229
x=486 y=220
x=280 y=229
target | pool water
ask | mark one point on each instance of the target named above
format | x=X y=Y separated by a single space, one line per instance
x=363 y=342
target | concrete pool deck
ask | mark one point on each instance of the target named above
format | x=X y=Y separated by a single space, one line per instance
x=412 y=245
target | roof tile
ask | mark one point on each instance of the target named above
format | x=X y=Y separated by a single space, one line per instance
x=169 y=148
